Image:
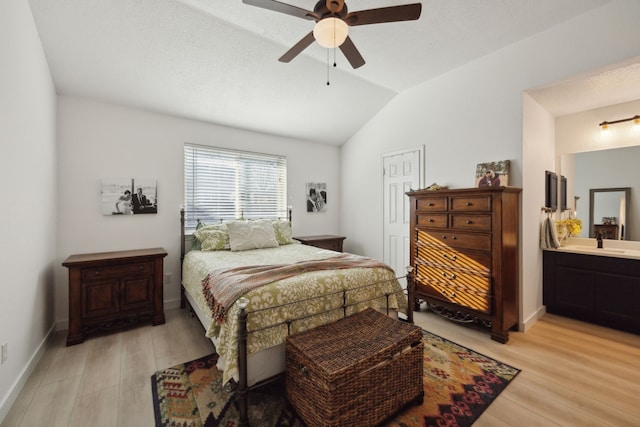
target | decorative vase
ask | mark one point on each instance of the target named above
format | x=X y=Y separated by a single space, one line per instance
x=563 y=235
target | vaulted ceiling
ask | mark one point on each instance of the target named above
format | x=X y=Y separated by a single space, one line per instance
x=217 y=60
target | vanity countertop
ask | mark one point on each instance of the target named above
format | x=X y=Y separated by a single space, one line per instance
x=612 y=248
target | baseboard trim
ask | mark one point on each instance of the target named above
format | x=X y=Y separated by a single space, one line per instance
x=528 y=323
x=19 y=383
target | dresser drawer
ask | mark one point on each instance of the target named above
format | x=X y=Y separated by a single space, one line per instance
x=453 y=258
x=471 y=222
x=470 y=203
x=435 y=204
x=454 y=278
x=456 y=239
x=108 y=272
x=473 y=299
x=325 y=241
x=334 y=245
x=435 y=220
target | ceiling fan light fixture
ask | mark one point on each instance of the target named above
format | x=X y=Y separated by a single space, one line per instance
x=330 y=32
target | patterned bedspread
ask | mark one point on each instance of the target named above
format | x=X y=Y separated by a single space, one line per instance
x=297 y=290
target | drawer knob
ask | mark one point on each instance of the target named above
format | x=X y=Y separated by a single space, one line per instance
x=97 y=272
x=429 y=204
x=469 y=221
x=430 y=220
x=450 y=258
x=452 y=276
x=453 y=294
x=468 y=204
x=444 y=237
x=454 y=238
x=141 y=267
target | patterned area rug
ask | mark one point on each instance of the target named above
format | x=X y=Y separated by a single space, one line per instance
x=459 y=385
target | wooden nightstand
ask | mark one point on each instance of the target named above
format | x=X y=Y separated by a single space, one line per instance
x=325 y=241
x=111 y=290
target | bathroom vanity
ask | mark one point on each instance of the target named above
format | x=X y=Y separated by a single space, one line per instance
x=600 y=286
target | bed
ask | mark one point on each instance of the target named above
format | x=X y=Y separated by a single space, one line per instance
x=342 y=285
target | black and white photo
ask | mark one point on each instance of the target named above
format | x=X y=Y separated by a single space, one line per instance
x=129 y=196
x=316 y=197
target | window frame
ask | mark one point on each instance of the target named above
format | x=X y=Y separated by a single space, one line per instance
x=250 y=185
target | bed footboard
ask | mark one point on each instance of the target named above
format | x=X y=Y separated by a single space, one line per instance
x=242 y=387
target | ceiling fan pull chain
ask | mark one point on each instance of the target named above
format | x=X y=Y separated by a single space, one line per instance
x=334 y=40
x=328 y=68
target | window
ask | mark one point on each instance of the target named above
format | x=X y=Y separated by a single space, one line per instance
x=224 y=185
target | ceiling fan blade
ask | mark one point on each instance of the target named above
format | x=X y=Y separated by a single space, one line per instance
x=351 y=52
x=277 y=6
x=298 y=48
x=407 y=12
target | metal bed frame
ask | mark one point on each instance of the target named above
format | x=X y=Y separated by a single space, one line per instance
x=242 y=387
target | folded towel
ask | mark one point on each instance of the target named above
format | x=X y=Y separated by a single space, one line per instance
x=548 y=233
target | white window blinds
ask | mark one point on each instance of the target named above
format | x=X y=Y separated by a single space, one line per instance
x=225 y=184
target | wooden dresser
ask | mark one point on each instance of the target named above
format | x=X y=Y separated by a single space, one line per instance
x=607 y=231
x=110 y=290
x=325 y=241
x=464 y=251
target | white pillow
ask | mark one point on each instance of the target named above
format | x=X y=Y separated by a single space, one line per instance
x=245 y=235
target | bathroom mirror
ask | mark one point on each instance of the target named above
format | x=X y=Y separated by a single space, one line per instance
x=609 y=213
x=603 y=169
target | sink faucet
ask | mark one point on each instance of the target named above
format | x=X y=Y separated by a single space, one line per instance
x=599 y=238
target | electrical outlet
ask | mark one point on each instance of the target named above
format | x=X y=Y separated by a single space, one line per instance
x=5 y=352
x=167 y=278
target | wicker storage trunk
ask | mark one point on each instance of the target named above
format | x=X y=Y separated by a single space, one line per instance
x=357 y=371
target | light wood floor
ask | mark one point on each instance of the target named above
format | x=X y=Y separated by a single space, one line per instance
x=573 y=374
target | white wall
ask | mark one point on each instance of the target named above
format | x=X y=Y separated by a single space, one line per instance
x=538 y=148
x=28 y=177
x=579 y=133
x=475 y=114
x=98 y=140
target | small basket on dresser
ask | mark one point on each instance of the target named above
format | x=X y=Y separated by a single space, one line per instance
x=357 y=371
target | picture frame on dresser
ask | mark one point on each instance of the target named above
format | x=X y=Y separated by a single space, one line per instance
x=492 y=174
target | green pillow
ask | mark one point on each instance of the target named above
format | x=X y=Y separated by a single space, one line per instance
x=282 y=228
x=211 y=237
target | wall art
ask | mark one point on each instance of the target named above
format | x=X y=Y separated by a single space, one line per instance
x=129 y=196
x=316 y=197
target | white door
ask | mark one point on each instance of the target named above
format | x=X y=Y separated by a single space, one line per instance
x=403 y=171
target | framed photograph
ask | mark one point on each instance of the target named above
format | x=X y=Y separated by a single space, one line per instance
x=316 y=197
x=551 y=191
x=493 y=174
x=129 y=196
x=563 y=193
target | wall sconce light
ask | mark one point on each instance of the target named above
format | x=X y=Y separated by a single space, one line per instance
x=604 y=126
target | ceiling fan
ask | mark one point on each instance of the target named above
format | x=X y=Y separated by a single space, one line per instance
x=333 y=21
